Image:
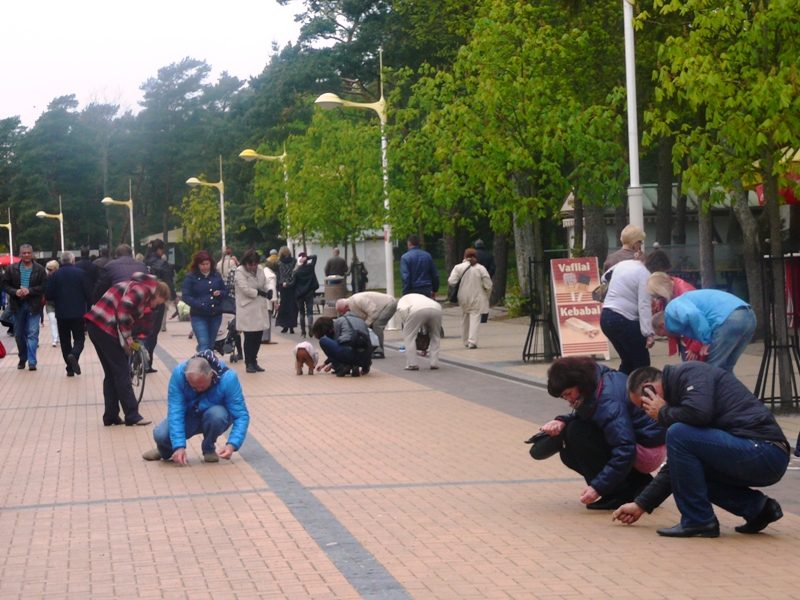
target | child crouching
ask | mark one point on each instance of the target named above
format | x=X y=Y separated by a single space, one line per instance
x=305 y=354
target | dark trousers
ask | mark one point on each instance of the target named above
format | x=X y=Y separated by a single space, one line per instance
x=305 y=307
x=342 y=356
x=152 y=338
x=627 y=339
x=252 y=343
x=72 y=335
x=117 y=388
x=586 y=451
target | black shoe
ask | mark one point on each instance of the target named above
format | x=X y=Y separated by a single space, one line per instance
x=609 y=503
x=364 y=370
x=250 y=369
x=284 y=330
x=31 y=367
x=355 y=372
x=70 y=374
x=151 y=370
x=258 y=368
x=116 y=421
x=341 y=371
x=710 y=530
x=769 y=514
x=21 y=364
x=291 y=330
x=140 y=423
x=72 y=361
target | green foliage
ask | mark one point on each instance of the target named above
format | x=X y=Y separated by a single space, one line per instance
x=200 y=218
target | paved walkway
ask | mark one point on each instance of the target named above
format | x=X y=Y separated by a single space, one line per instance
x=392 y=485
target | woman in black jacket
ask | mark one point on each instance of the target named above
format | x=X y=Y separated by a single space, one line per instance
x=287 y=309
x=305 y=285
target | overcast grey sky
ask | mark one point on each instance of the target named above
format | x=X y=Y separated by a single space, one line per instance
x=104 y=50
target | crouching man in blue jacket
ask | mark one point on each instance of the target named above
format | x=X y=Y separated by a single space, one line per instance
x=204 y=397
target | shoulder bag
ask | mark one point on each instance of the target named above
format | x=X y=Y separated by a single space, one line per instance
x=452 y=291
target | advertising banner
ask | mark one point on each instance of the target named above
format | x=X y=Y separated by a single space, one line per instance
x=576 y=314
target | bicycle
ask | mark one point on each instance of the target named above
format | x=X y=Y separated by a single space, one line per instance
x=138 y=363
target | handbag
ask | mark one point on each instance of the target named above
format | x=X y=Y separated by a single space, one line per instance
x=452 y=291
x=2 y=350
x=599 y=293
x=544 y=446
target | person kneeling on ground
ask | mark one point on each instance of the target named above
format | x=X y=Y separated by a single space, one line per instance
x=345 y=342
x=204 y=396
x=613 y=444
x=721 y=440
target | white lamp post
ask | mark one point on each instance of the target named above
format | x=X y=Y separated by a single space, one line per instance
x=129 y=203
x=194 y=182
x=59 y=216
x=250 y=155
x=10 y=238
x=635 y=207
x=329 y=101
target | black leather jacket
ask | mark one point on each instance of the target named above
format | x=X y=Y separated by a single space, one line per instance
x=36 y=287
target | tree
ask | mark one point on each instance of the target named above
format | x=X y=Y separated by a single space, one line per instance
x=737 y=66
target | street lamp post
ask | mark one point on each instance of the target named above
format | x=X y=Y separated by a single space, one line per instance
x=250 y=155
x=635 y=208
x=194 y=182
x=329 y=101
x=129 y=203
x=10 y=238
x=60 y=216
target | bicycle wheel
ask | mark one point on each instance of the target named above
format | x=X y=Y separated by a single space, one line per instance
x=138 y=369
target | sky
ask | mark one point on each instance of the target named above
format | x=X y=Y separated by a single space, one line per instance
x=102 y=51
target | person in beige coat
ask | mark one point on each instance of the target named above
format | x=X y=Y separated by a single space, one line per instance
x=252 y=295
x=272 y=286
x=473 y=295
x=375 y=308
x=420 y=312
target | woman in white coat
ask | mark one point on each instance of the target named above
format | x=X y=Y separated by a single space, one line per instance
x=473 y=295
x=272 y=286
x=251 y=307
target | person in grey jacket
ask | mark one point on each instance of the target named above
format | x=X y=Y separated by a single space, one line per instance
x=721 y=440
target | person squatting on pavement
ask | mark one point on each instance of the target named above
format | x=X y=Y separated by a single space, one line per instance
x=722 y=322
x=123 y=313
x=345 y=342
x=70 y=290
x=204 y=397
x=375 y=308
x=612 y=443
x=24 y=282
x=416 y=312
x=720 y=441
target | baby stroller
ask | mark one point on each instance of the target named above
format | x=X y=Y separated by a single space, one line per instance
x=228 y=339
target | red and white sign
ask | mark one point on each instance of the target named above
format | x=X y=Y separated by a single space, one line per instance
x=577 y=315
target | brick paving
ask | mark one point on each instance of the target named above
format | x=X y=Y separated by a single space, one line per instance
x=387 y=486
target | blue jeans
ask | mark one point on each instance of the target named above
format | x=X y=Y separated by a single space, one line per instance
x=26 y=333
x=730 y=339
x=211 y=423
x=342 y=355
x=627 y=339
x=710 y=466
x=205 y=331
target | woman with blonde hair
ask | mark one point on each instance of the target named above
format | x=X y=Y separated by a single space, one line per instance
x=632 y=238
x=663 y=288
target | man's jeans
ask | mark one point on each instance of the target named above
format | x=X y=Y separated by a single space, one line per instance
x=205 y=331
x=710 y=466
x=730 y=339
x=26 y=333
x=211 y=423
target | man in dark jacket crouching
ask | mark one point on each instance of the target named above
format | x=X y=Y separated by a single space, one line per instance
x=720 y=441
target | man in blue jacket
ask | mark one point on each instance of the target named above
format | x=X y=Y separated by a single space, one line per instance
x=204 y=397
x=721 y=440
x=70 y=289
x=417 y=270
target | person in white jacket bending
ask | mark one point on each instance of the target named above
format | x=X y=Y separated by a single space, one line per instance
x=416 y=312
x=474 y=284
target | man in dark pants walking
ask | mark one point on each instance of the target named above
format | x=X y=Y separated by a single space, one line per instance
x=69 y=288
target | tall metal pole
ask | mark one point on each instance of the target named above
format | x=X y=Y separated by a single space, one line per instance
x=635 y=205
x=61 y=222
x=387 y=229
x=289 y=242
x=221 y=189
x=130 y=211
